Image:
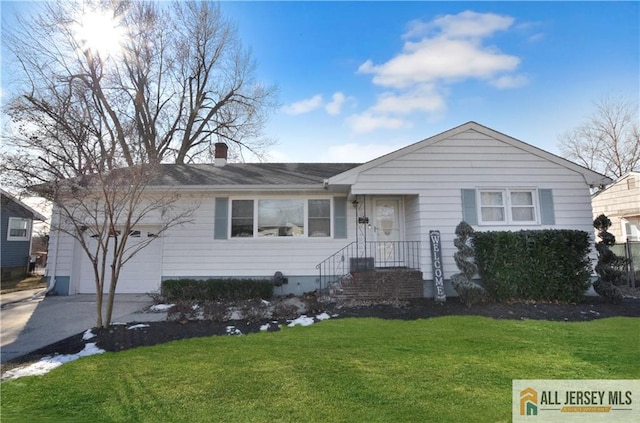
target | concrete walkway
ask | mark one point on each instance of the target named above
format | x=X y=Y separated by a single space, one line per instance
x=28 y=323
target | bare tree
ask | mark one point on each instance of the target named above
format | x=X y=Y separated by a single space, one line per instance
x=608 y=141
x=178 y=81
x=89 y=129
x=105 y=214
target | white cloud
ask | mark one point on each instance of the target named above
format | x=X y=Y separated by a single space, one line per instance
x=423 y=99
x=439 y=59
x=304 y=106
x=510 y=81
x=335 y=106
x=369 y=121
x=467 y=24
x=437 y=54
x=536 y=37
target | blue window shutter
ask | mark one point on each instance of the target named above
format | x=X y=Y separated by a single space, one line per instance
x=547 y=213
x=221 y=222
x=340 y=217
x=469 y=212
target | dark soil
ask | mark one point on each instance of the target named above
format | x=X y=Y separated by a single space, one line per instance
x=120 y=337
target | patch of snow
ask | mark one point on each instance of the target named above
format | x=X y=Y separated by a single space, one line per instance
x=265 y=302
x=232 y=330
x=46 y=364
x=160 y=307
x=302 y=321
x=88 y=335
x=266 y=326
x=139 y=326
x=323 y=316
x=118 y=324
x=195 y=307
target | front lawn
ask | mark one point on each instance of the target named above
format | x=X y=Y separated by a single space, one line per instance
x=351 y=370
x=21 y=284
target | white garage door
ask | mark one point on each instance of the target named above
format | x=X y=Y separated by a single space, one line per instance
x=140 y=275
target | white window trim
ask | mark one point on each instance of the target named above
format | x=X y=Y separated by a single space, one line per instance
x=506 y=195
x=19 y=238
x=256 y=201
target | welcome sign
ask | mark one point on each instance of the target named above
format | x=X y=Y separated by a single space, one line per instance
x=576 y=400
x=436 y=259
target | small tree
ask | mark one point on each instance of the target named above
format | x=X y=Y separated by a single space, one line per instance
x=610 y=267
x=104 y=213
x=469 y=291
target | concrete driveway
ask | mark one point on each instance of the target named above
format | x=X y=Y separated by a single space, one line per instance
x=28 y=323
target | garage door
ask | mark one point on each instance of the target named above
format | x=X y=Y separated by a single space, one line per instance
x=140 y=275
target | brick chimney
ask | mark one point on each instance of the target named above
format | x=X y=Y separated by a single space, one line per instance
x=220 y=154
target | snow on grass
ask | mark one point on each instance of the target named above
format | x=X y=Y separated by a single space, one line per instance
x=160 y=307
x=49 y=363
x=323 y=316
x=88 y=335
x=232 y=330
x=302 y=321
x=139 y=326
x=308 y=321
x=46 y=364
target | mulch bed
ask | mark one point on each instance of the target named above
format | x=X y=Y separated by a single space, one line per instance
x=119 y=337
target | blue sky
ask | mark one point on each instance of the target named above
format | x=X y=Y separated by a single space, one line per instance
x=361 y=79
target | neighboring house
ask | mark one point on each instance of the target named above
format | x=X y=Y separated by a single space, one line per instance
x=620 y=202
x=301 y=219
x=16 y=229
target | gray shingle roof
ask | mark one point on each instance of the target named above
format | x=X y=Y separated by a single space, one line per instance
x=236 y=174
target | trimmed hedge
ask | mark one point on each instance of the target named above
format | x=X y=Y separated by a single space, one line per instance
x=216 y=289
x=548 y=265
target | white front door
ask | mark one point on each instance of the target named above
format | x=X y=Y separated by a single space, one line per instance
x=388 y=234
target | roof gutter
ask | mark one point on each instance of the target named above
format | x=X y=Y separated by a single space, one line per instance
x=237 y=188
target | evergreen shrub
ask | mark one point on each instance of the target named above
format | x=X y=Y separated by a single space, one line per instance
x=216 y=289
x=611 y=268
x=470 y=292
x=540 y=265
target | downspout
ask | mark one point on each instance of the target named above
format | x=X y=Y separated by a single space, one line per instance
x=52 y=279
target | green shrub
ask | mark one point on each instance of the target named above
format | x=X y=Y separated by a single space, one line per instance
x=216 y=289
x=611 y=268
x=550 y=265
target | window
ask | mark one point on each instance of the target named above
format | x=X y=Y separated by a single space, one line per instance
x=319 y=218
x=508 y=206
x=281 y=218
x=492 y=207
x=19 y=229
x=242 y=218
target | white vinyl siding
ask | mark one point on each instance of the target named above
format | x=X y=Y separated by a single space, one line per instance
x=191 y=251
x=439 y=172
x=619 y=201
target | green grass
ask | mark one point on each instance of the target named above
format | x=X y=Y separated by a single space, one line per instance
x=21 y=284
x=345 y=370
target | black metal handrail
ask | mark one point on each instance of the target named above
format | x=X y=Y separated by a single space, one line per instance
x=370 y=255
